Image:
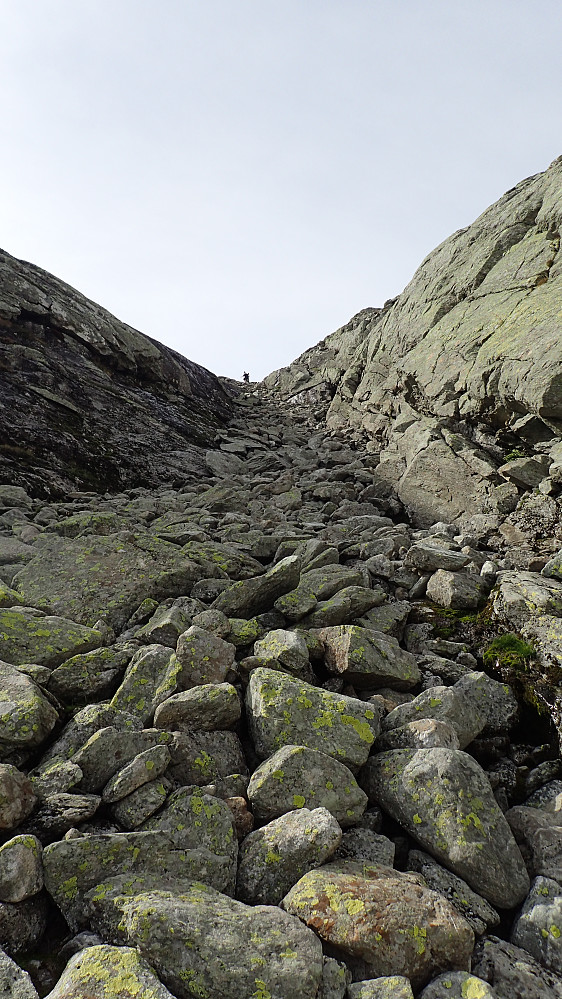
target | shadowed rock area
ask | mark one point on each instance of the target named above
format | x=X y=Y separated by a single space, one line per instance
x=281 y=689
x=88 y=402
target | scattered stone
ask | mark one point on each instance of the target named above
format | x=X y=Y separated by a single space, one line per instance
x=254 y=596
x=14 y=982
x=17 y=796
x=387 y=987
x=206 y=708
x=21 y=869
x=475 y=909
x=26 y=716
x=538 y=928
x=367 y=658
x=457 y=985
x=461 y=591
x=29 y=636
x=512 y=971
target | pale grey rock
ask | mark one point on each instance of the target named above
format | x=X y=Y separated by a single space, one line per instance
x=367 y=658
x=60 y=811
x=444 y=800
x=447 y=704
x=347 y=604
x=197 y=938
x=317 y=585
x=272 y=859
x=422 y=733
x=336 y=976
x=14 y=982
x=208 y=707
x=204 y=658
x=90 y=675
x=21 y=869
x=151 y=676
x=135 y=808
x=296 y=776
x=461 y=591
x=538 y=927
x=429 y=557
x=366 y=846
x=283 y=711
x=95 y=971
x=527 y=473
x=171 y=618
x=512 y=971
x=524 y=595
x=390 y=618
x=17 y=796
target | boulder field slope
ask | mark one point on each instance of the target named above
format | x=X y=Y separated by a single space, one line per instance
x=89 y=402
x=470 y=350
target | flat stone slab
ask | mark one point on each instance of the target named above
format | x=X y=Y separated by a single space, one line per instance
x=29 y=636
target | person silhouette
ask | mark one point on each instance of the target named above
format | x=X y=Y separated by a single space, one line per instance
x=246 y=376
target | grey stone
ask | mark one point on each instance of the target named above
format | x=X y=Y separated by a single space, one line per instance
x=17 y=796
x=475 y=909
x=138 y=806
x=523 y=595
x=26 y=716
x=91 y=675
x=169 y=620
x=444 y=800
x=197 y=938
x=317 y=585
x=423 y=733
x=367 y=658
x=143 y=768
x=387 y=987
x=273 y=858
x=444 y=704
x=204 y=657
x=254 y=596
x=14 y=982
x=538 y=927
x=347 y=604
x=511 y=971
x=366 y=846
x=296 y=776
x=21 y=869
x=429 y=557
x=457 y=985
x=285 y=649
x=208 y=707
x=461 y=591
x=29 y=636
x=283 y=710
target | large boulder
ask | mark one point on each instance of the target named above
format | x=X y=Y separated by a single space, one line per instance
x=445 y=801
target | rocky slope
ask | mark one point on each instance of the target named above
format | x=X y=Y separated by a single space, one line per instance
x=464 y=366
x=262 y=734
x=88 y=402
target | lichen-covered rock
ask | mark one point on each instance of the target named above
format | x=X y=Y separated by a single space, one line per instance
x=524 y=595
x=249 y=597
x=91 y=675
x=273 y=858
x=78 y=730
x=152 y=675
x=285 y=711
x=538 y=927
x=298 y=777
x=97 y=972
x=389 y=921
x=22 y=924
x=29 y=636
x=427 y=556
x=367 y=847
x=14 y=982
x=286 y=650
x=26 y=716
x=21 y=868
x=512 y=971
x=336 y=976
x=17 y=796
x=316 y=585
x=343 y=607
x=201 y=942
x=203 y=657
x=386 y=987
x=446 y=704
x=208 y=708
x=367 y=658
x=143 y=768
x=88 y=579
x=60 y=811
x=445 y=801
x=194 y=838
x=169 y=620
x=424 y=733
x=475 y=909
x=138 y=806
x=458 y=985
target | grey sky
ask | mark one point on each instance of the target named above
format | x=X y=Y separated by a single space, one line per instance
x=237 y=178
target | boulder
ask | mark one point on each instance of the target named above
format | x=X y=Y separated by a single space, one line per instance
x=249 y=597
x=390 y=922
x=296 y=776
x=26 y=716
x=14 y=982
x=29 y=636
x=208 y=707
x=367 y=658
x=512 y=971
x=94 y=972
x=538 y=927
x=285 y=711
x=444 y=800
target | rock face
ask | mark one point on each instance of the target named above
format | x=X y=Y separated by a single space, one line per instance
x=105 y=407
x=261 y=734
x=473 y=341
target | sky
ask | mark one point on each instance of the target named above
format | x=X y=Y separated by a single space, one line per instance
x=237 y=178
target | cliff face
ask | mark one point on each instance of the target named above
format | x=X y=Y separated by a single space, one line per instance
x=472 y=348
x=87 y=401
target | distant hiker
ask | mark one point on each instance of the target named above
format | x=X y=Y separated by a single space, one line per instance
x=246 y=376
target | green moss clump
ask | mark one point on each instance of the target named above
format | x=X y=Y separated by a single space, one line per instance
x=508 y=652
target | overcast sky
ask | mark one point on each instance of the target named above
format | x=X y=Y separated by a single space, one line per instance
x=237 y=178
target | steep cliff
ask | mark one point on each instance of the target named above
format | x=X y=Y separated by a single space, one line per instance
x=87 y=401
x=469 y=350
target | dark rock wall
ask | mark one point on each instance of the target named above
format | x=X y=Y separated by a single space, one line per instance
x=86 y=401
